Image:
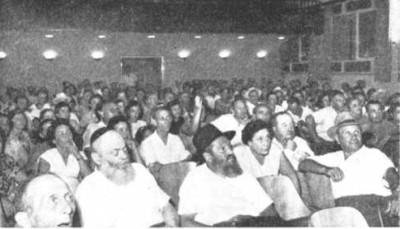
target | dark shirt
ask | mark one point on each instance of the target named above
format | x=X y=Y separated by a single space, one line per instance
x=176 y=126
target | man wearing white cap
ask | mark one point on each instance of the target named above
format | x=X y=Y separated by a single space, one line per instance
x=360 y=175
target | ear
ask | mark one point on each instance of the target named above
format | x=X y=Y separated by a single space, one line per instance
x=22 y=219
x=207 y=157
x=96 y=158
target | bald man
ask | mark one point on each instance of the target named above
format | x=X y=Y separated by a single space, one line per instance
x=46 y=201
x=120 y=193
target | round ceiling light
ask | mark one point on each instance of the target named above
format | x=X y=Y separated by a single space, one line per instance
x=240 y=37
x=3 y=54
x=184 y=53
x=225 y=53
x=262 y=54
x=50 y=54
x=97 y=54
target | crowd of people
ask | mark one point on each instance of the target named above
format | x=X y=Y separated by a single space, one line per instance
x=200 y=153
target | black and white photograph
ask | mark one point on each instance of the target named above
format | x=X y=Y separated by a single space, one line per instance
x=199 y=113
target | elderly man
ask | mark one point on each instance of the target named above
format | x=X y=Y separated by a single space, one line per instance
x=46 y=201
x=218 y=191
x=162 y=147
x=235 y=121
x=120 y=194
x=360 y=176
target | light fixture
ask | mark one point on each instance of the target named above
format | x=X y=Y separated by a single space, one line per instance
x=3 y=54
x=49 y=35
x=197 y=37
x=97 y=54
x=151 y=36
x=225 y=53
x=262 y=54
x=281 y=38
x=102 y=36
x=50 y=54
x=184 y=53
x=240 y=37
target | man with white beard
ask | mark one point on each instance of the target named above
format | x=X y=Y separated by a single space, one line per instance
x=120 y=194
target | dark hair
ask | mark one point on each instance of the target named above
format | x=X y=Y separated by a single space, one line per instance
x=133 y=103
x=292 y=100
x=98 y=97
x=11 y=115
x=253 y=127
x=97 y=134
x=57 y=123
x=60 y=105
x=41 y=127
x=173 y=103
x=43 y=112
x=374 y=102
x=115 y=120
x=334 y=93
x=139 y=137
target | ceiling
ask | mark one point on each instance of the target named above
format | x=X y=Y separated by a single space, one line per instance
x=165 y=16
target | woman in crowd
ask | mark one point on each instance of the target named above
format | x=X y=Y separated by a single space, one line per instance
x=64 y=159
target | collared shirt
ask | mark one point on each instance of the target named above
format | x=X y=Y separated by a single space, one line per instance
x=324 y=119
x=300 y=153
x=35 y=111
x=306 y=112
x=153 y=149
x=363 y=172
x=228 y=122
x=214 y=199
x=105 y=204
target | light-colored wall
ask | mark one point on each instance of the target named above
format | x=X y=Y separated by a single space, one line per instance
x=25 y=64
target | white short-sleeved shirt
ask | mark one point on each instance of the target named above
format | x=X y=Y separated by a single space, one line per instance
x=300 y=153
x=154 y=150
x=35 y=111
x=249 y=163
x=214 y=199
x=136 y=125
x=105 y=204
x=228 y=122
x=324 y=119
x=68 y=171
x=363 y=172
x=306 y=112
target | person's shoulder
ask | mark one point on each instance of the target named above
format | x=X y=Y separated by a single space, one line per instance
x=49 y=153
x=149 y=139
x=89 y=184
x=241 y=150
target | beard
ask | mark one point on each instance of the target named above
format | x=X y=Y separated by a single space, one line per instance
x=119 y=173
x=231 y=167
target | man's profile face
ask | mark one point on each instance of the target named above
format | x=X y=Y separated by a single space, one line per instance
x=53 y=205
x=110 y=110
x=222 y=157
x=355 y=108
x=284 y=128
x=112 y=151
x=338 y=102
x=375 y=113
x=350 y=138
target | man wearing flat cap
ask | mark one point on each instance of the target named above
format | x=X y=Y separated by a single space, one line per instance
x=218 y=191
x=361 y=177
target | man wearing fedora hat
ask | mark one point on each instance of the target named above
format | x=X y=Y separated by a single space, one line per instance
x=218 y=191
x=357 y=171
